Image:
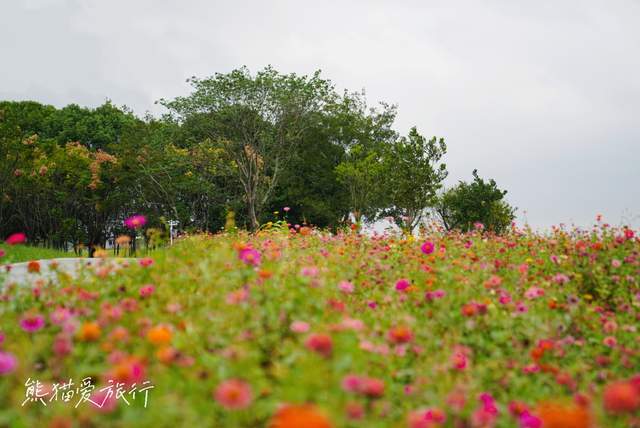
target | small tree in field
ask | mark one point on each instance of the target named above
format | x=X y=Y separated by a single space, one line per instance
x=480 y=201
x=412 y=176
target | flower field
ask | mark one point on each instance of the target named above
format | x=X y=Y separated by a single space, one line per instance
x=304 y=329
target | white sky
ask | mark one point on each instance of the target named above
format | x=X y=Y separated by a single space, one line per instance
x=542 y=96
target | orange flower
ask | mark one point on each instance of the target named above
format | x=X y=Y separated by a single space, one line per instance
x=400 y=334
x=89 y=332
x=304 y=231
x=556 y=415
x=166 y=354
x=33 y=266
x=299 y=416
x=264 y=273
x=159 y=335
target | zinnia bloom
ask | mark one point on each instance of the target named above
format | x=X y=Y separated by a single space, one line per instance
x=320 y=343
x=250 y=256
x=135 y=222
x=233 y=394
x=147 y=290
x=8 y=363
x=556 y=415
x=16 y=238
x=403 y=284
x=159 y=335
x=89 y=332
x=400 y=334
x=427 y=247
x=32 y=323
x=621 y=397
x=299 y=327
x=299 y=416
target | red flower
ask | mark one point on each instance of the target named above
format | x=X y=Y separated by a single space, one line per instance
x=400 y=334
x=320 y=343
x=621 y=397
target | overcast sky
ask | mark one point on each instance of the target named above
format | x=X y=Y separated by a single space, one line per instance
x=542 y=96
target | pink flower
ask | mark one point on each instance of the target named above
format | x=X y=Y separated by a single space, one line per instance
x=136 y=221
x=615 y=263
x=521 y=308
x=16 y=238
x=561 y=278
x=233 y=394
x=249 y=256
x=352 y=383
x=2 y=252
x=320 y=343
x=504 y=299
x=433 y=295
x=145 y=261
x=459 y=361
x=610 y=341
x=8 y=363
x=427 y=247
x=346 y=287
x=310 y=271
x=403 y=284
x=147 y=290
x=372 y=387
x=534 y=292
x=62 y=345
x=59 y=316
x=286 y=209
x=32 y=323
x=299 y=327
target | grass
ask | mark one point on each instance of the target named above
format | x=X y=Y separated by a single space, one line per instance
x=25 y=253
x=477 y=330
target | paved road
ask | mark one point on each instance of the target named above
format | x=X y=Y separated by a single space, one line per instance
x=18 y=273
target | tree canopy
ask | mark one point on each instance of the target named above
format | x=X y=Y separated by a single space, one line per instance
x=242 y=143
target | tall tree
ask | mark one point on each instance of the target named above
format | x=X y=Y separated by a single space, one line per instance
x=257 y=120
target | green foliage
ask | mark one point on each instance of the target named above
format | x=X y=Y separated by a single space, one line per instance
x=241 y=142
x=411 y=177
x=480 y=201
x=257 y=121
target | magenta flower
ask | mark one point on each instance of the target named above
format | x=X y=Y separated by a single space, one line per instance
x=32 y=323
x=16 y=238
x=8 y=363
x=250 y=256
x=2 y=253
x=527 y=420
x=427 y=247
x=135 y=221
x=402 y=284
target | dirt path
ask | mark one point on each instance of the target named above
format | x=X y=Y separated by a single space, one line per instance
x=18 y=273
